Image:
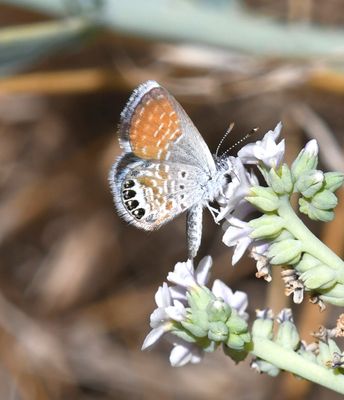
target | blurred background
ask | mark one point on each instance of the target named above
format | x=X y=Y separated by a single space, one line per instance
x=76 y=282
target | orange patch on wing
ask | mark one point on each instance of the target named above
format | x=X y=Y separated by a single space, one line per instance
x=153 y=185
x=154 y=126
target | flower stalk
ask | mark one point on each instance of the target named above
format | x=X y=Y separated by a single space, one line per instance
x=310 y=243
x=198 y=320
x=288 y=360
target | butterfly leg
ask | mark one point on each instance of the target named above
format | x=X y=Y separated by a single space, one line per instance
x=214 y=213
x=194 y=229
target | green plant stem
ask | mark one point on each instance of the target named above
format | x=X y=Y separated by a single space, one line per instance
x=290 y=361
x=311 y=244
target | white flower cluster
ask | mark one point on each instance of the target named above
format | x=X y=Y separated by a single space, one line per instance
x=279 y=237
x=234 y=207
x=173 y=303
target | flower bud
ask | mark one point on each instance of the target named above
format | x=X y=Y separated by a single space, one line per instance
x=218 y=331
x=262 y=366
x=285 y=251
x=236 y=324
x=319 y=277
x=314 y=213
x=238 y=341
x=281 y=181
x=324 y=200
x=184 y=335
x=199 y=297
x=218 y=310
x=310 y=182
x=287 y=335
x=197 y=324
x=326 y=352
x=306 y=160
x=307 y=262
x=264 y=198
x=266 y=226
x=263 y=325
x=307 y=354
x=295 y=260
x=333 y=180
x=334 y=296
x=284 y=234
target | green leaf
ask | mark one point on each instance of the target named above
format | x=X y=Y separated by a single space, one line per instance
x=21 y=46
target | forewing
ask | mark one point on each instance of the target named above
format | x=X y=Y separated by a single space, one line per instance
x=154 y=126
x=150 y=193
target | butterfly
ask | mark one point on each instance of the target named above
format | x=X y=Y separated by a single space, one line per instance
x=166 y=167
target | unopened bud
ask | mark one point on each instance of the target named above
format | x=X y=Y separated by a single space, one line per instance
x=285 y=251
x=266 y=226
x=310 y=182
x=281 y=181
x=264 y=198
x=306 y=160
x=333 y=180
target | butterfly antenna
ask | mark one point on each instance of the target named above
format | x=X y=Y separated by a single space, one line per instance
x=231 y=126
x=253 y=131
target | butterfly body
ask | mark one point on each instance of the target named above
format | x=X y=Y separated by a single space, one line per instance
x=166 y=167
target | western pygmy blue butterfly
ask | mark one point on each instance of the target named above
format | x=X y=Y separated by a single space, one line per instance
x=166 y=167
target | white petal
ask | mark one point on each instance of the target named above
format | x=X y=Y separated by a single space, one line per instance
x=221 y=290
x=163 y=296
x=246 y=154
x=239 y=301
x=178 y=293
x=237 y=232
x=180 y=356
x=177 y=313
x=280 y=152
x=265 y=150
x=243 y=209
x=153 y=336
x=158 y=317
x=261 y=248
x=203 y=270
x=277 y=130
x=197 y=356
x=312 y=148
x=232 y=235
x=240 y=249
x=183 y=274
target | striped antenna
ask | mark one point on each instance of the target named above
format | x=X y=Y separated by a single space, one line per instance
x=228 y=131
x=253 y=131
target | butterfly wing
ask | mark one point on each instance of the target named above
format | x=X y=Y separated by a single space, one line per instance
x=150 y=193
x=166 y=163
x=154 y=126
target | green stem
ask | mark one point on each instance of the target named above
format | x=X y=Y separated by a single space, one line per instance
x=290 y=361
x=311 y=244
